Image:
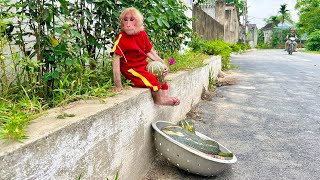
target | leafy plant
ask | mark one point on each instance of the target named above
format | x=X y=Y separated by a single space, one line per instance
x=278 y=37
x=313 y=43
x=13 y=122
x=196 y=43
x=211 y=80
x=309 y=16
x=216 y=47
x=219 y=47
x=236 y=48
x=186 y=60
x=243 y=46
x=263 y=46
x=116 y=177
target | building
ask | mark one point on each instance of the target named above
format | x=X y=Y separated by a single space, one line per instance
x=252 y=35
x=267 y=31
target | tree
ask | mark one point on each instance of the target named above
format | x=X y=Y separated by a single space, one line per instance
x=284 y=13
x=309 y=15
x=239 y=4
x=274 y=20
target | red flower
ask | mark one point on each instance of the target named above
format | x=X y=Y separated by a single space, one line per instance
x=171 y=61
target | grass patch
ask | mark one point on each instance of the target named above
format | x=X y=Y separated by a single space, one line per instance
x=310 y=52
x=186 y=60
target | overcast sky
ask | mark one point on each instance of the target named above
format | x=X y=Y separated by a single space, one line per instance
x=258 y=10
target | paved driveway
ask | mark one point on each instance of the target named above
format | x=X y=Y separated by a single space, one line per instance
x=270 y=119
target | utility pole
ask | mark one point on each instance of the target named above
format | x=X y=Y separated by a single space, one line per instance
x=245 y=19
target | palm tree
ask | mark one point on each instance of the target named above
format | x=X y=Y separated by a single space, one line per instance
x=283 y=13
x=274 y=20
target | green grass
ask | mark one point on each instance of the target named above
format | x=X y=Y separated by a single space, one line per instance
x=187 y=60
x=17 y=110
x=311 y=52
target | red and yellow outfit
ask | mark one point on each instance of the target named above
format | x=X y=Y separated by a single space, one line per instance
x=133 y=50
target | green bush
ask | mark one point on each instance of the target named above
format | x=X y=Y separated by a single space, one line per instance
x=263 y=46
x=196 y=43
x=313 y=42
x=216 y=47
x=219 y=47
x=278 y=38
x=243 y=46
x=236 y=47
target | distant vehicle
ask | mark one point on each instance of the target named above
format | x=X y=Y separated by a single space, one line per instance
x=291 y=45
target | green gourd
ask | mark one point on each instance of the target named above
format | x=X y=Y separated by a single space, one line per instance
x=192 y=140
x=156 y=68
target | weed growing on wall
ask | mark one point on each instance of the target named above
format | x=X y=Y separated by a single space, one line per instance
x=186 y=60
x=221 y=48
x=216 y=47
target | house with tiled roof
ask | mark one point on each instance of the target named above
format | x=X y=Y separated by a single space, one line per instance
x=267 y=31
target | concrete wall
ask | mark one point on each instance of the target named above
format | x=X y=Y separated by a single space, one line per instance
x=224 y=25
x=209 y=8
x=103 y=138
x=231 y=28
x=267 y=36
x=205 y=25
x=252 y=36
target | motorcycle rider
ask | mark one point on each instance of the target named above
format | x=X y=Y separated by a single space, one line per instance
x=291 y=34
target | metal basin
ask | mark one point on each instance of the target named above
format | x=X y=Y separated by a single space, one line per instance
x=188 y=158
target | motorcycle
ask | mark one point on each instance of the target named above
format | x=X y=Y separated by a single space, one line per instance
x=291 y=45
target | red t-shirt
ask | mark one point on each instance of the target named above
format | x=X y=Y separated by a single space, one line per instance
x=133 y=49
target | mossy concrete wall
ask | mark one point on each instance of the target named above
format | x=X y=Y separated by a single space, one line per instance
x=104 y=137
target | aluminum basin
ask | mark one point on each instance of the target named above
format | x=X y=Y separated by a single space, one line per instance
x=188 y=158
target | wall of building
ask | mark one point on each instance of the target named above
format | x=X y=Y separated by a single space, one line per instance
x=206 y=26
x=252 y=35
x=224 y=25
x=231 y=25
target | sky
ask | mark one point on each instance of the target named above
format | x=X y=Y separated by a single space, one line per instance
x=258 y=10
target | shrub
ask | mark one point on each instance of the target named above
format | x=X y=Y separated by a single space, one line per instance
x=263 y=46
x=196 y=43
x=219 y=47
x=243 y=46
x=278 y=37
x=236 y=47
x=313 y=43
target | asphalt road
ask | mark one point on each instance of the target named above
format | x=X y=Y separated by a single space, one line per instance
x=270 y=119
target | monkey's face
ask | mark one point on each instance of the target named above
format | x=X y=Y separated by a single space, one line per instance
x=129 y=24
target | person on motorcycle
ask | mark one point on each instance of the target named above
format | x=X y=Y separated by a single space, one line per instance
x=291 y=34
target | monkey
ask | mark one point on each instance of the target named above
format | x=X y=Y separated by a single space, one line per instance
x=130 y=51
